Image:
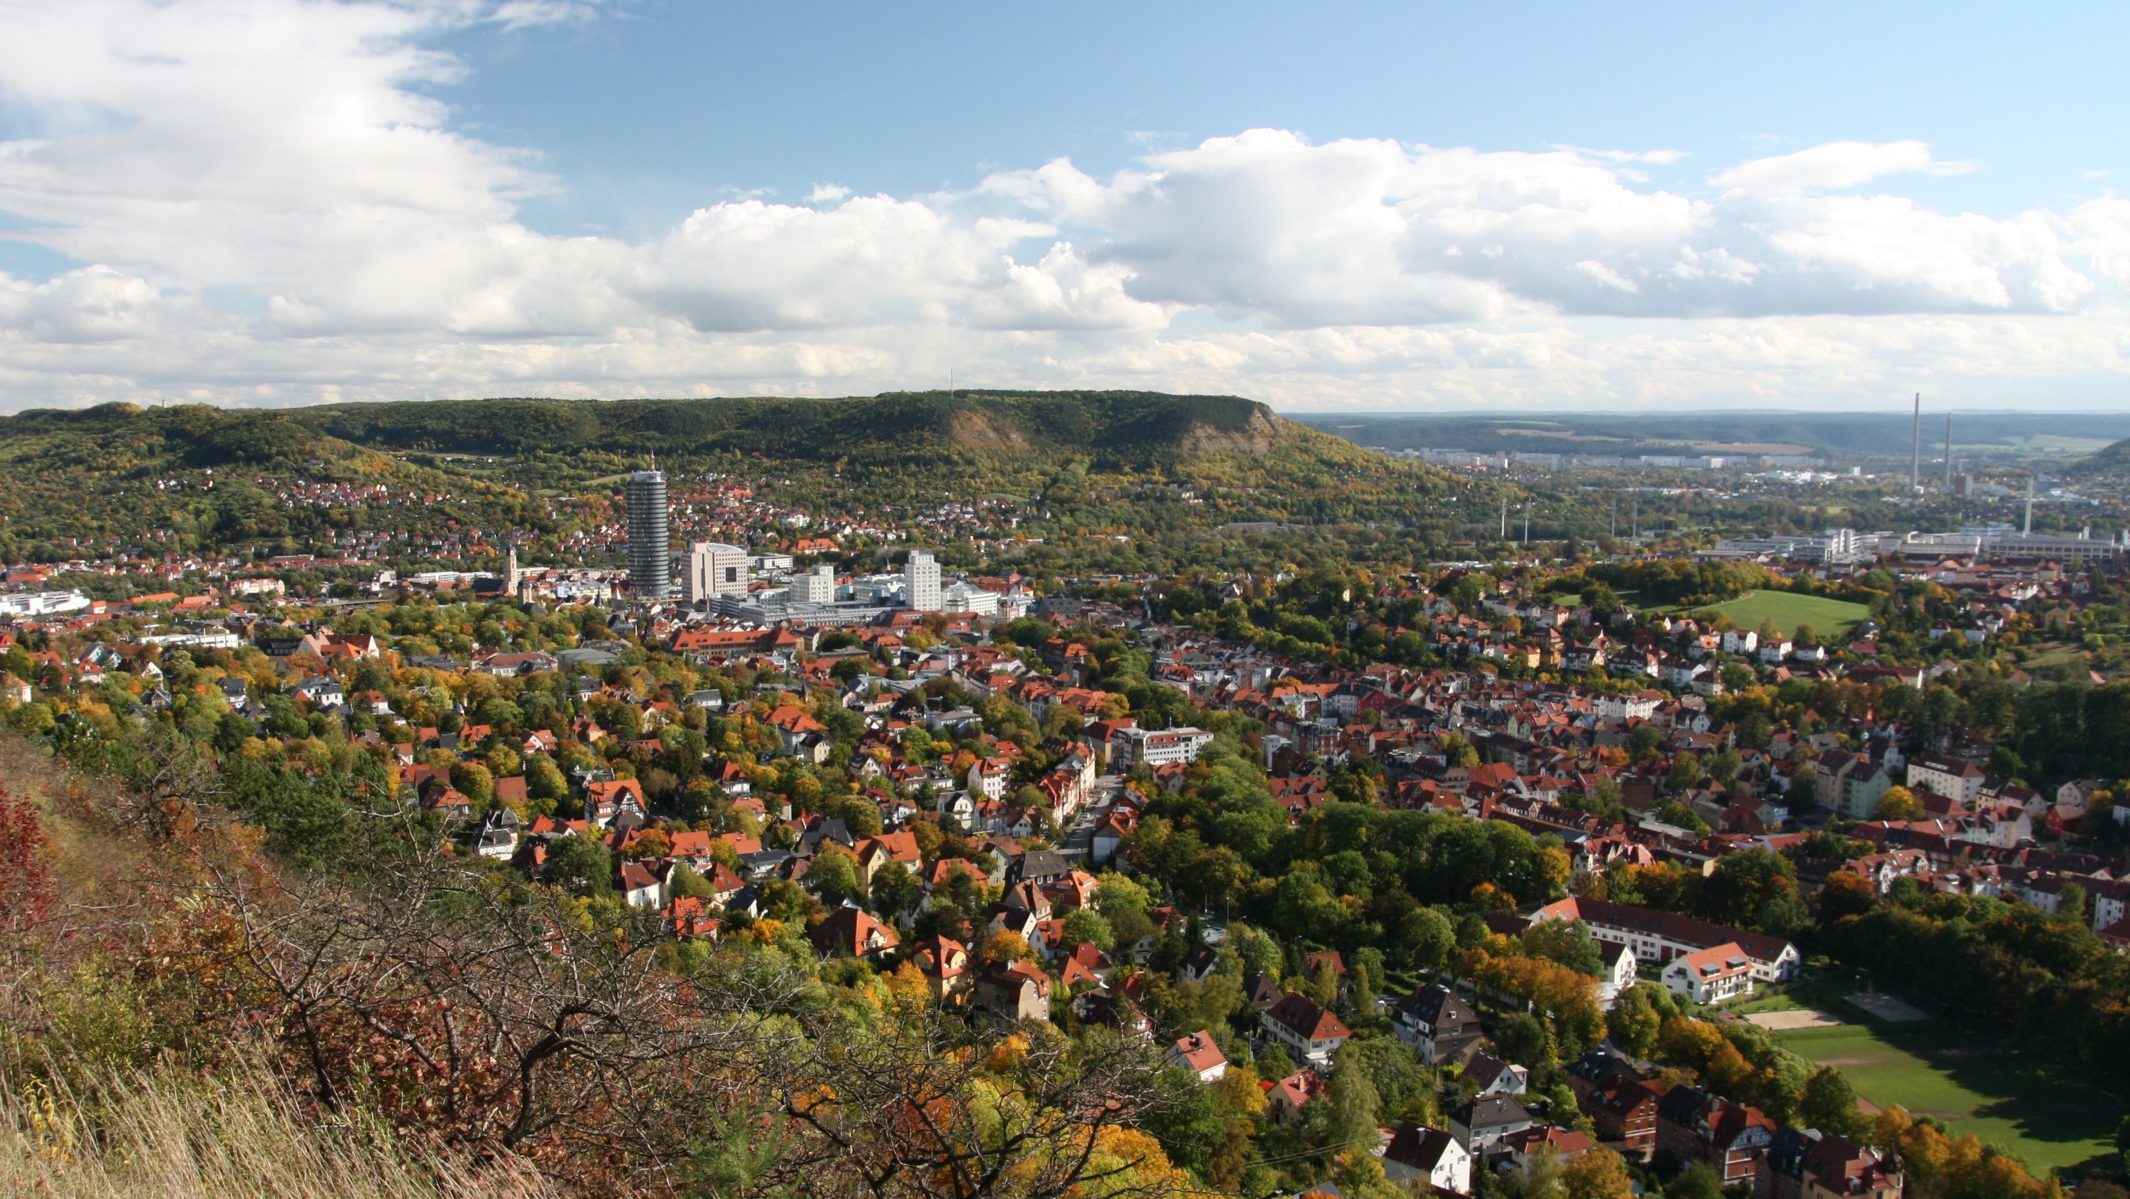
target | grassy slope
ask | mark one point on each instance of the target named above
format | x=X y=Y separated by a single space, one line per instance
x=1935 y=1068
x=228 y=1136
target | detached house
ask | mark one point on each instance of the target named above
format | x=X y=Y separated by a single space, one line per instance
x=1622 y=1106
x=1809 y=1164
x=1487 y=1120
x=1710 y=975
x=1695 y=1126
x=1437 y=1023
x=1311 y=1031
x=1429 y=1156
x=1201 y=1056
x=852 y=932
x=1014 y=991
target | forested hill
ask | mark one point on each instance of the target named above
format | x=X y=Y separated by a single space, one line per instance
x=1118 y=429
x=1109 y=464
x=2112 y=463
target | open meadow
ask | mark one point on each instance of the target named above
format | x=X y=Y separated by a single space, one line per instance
x=1936 y=1068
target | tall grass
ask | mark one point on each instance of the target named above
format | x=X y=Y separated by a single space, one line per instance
x=165 y=1134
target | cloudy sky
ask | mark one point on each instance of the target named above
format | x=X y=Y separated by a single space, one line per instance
x=1395 y=206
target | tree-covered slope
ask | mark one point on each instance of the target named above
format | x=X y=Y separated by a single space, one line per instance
x=1105 y=463
x=1120 y=429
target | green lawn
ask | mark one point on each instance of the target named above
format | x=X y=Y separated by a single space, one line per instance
x=1828 y=617
x=1935 y=1068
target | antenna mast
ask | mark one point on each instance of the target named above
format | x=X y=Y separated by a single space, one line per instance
x=1915 y=449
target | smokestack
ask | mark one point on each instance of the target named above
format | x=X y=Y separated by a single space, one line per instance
x=1948 y=453
x=1915 y=448
x=2027 y=529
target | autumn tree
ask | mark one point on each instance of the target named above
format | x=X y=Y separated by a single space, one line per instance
x=1898 y=803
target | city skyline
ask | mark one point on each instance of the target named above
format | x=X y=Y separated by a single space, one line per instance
x=1385 y=208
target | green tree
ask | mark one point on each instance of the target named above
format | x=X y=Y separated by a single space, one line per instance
x=1699 y=1181
x=834 y=873
x=1084 y=926
x=894 y=890
x=1567 y=942
x=1635 y=1019
x=580 y=866
x=1828 y=1103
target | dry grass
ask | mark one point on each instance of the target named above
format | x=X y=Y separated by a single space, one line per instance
x=168 y=1135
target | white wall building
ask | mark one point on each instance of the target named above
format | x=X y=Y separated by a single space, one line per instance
x=42 y=603
x=714 y=569
x=968 y=597
x=920 y=582
x=1156 y=747
x=816 y=586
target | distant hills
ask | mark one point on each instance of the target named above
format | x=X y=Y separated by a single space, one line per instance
x=1978 y=437
x=1130 y=464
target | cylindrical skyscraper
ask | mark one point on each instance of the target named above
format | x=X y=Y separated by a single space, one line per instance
x=650 y=537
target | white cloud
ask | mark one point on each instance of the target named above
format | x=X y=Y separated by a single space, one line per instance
x=1836 y=165
x=1267 y=224
x=269 y=205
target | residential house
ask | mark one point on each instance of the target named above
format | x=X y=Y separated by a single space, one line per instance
x=1286 y=1099
x=1809 y=1164
x=1487 y=1119
x=1014 y=992
x=1695 y=1126
x=1430 y=1157
x=1712 y=975
x=850 y=931
x=1622 y=1106
x=1311 y=1031
x=1201 y=1055
x=1436 y=1022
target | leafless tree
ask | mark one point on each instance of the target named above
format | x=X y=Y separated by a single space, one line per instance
x=922 y=1104
x=490 y=1014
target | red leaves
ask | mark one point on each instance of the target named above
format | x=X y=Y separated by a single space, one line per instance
x=26 y=886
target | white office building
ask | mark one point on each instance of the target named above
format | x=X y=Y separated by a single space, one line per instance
x=964 y=596
x=714 y=569
x=816 y=586
x=920 y=582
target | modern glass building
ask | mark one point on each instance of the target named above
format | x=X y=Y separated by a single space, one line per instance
x=650 y=537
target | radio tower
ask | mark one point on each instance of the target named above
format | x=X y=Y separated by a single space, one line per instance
x=1915 y=449
x=1948 y=453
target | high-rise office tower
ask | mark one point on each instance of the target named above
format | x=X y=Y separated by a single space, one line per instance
x=713 y=569
x=650 y=537
x=920 y=582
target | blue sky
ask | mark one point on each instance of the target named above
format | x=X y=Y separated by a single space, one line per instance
x=681 y=99
x=1408 y=206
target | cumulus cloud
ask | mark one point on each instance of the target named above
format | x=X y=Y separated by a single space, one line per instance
x=1303 y=234
x=268 y=202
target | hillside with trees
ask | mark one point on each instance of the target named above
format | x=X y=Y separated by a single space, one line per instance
x=1077 y=468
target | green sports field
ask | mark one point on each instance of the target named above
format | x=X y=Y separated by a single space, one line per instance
x=1828 y=617
x=1935 y=1068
